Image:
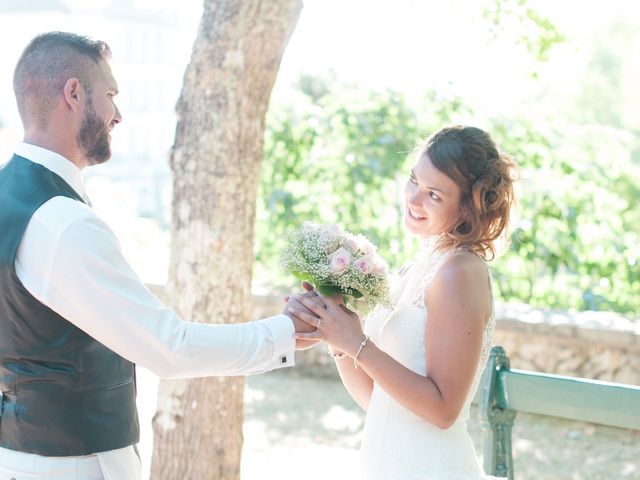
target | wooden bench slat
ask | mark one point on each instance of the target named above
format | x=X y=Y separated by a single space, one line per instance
x=579 y=399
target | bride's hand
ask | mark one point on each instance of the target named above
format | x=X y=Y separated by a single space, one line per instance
x=334 y=323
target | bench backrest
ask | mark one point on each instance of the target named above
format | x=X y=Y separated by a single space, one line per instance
x=504 y=392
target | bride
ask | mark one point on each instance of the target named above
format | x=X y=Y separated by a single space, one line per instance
x=415 y=367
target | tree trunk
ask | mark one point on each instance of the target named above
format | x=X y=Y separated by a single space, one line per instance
x=216 y=162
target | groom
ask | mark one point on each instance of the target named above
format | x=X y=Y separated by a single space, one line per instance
x=74 y=317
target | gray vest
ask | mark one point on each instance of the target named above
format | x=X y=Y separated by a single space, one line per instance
x=63 y=393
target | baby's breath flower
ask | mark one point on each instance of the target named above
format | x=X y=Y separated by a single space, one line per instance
x=335 y=262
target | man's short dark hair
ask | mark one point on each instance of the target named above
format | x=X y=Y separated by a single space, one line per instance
x=46 y=64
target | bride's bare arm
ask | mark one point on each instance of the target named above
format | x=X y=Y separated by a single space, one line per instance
x=357 y=382
x=459 y=303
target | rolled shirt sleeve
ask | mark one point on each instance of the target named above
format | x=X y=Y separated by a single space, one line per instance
x=71 y=261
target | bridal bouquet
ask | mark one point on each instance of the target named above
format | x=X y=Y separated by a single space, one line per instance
x=336 y=262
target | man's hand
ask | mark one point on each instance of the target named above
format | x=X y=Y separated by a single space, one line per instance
x=299 y=325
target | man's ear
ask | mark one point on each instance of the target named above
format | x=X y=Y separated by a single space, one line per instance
x=73 y=93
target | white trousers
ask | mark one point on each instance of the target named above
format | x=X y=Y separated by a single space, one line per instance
x=121 y=464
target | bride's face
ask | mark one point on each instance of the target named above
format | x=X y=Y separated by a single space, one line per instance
x=432 y=200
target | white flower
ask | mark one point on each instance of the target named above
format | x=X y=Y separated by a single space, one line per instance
x=365 y=246
x=329 y=238
x=332 y=227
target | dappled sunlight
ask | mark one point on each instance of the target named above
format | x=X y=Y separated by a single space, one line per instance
x=294 y=423
x=295 y=408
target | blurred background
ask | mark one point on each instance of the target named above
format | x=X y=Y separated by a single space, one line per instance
x=362 y=82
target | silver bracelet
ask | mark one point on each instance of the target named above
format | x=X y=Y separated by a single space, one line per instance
x=364 y=341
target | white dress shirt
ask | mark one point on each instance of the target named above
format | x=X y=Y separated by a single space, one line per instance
x=71 y=261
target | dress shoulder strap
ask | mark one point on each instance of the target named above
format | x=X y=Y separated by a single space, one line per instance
x=428 y=267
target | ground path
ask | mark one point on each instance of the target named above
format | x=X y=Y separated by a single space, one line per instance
x=301 y=426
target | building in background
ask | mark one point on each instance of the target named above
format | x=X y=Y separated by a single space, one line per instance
x=150 y=50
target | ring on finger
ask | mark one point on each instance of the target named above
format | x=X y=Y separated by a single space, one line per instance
x=318 y=322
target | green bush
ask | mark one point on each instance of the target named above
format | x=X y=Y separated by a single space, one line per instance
x=336 y=154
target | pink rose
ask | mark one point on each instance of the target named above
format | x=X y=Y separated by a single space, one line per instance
x=339 y=260
x=380 y=266
x=365 y=264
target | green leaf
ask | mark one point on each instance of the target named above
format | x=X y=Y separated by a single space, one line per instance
x=329 y=290
x=305 y=277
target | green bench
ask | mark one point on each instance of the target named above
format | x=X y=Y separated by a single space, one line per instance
x=503 y=392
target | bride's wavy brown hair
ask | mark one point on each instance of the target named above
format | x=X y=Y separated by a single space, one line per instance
x=470 y=157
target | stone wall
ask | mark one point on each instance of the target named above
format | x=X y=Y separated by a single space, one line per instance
x=596 y=345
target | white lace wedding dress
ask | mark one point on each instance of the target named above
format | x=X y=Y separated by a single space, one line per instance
x=397 y=444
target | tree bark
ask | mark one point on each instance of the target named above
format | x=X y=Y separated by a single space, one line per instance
x=216 y=162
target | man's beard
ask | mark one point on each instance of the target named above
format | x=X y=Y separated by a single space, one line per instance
x=93 y=137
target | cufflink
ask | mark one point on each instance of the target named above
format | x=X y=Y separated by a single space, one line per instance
x=283 y=359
